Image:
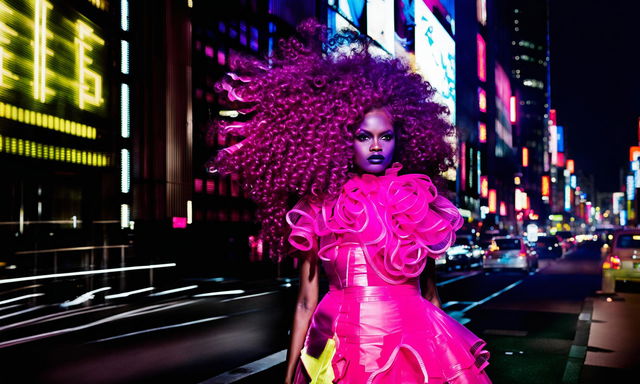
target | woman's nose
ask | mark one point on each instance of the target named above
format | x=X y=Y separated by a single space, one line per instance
x=375 y=146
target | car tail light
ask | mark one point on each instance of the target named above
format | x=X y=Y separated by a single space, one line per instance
x=522 y=254
x=612 y=262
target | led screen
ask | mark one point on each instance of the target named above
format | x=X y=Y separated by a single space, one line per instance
x=435 y=52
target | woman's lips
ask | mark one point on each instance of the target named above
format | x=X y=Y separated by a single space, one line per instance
x=376 y=159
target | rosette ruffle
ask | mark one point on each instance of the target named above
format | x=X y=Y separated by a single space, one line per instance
x=399 y=220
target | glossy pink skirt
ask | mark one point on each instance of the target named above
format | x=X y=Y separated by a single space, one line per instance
x=389 y=334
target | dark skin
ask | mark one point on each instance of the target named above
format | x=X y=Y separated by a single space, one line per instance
x=374 y=136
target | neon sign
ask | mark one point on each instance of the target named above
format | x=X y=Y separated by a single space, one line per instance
x=51 y=57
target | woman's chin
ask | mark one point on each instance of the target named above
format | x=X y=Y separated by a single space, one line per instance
x=373 y=168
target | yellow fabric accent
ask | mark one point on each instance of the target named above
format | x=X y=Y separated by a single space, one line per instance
x=320 y=369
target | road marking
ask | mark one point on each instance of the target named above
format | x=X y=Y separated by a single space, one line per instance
x=440 y=284
x=494 y=295
x=450 y=303
x=248 y=296
x=249 y=369
x=161 y=328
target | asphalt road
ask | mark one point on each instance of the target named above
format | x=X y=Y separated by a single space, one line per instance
x=229 y=331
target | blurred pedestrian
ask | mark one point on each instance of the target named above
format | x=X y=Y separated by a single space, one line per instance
x=348 y=138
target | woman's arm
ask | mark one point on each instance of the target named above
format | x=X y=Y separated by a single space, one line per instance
x=305 y=306
x=428 y=282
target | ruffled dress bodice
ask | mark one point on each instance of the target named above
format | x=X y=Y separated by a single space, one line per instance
x=374 y=326
x=396 y=222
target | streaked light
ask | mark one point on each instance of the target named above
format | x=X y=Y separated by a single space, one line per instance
x=567 y=198
x=125 y=122
x=570 y=165
x=124 y=15
x=84 y=273
x=20 y=298
x=546 y=185
x=227 y=113
x=124 y=171
x=127 y=294
x=175 y=290
x=189 y=212
x=631 y=188
x=482 y=58
x=482 y=100
x=482 y=132
x=513 y=106
x=481 y=11
x=560 y=138
x=503 y=209
x=573 y=181
x=124 y=57
x=221 y=293
x=484 y=186
x=525 y=156
x=83 y=298
x=124 y=215
x=492 y=201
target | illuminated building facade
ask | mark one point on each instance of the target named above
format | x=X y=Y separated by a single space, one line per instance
x=529 y=74
x=59 y=113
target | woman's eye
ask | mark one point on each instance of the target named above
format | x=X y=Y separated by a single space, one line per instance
x=387 y=137
x=362 y=137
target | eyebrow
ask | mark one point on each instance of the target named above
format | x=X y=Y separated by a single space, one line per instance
x=360 y=130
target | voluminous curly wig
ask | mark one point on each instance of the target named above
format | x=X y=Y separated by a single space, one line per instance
x=299 y=111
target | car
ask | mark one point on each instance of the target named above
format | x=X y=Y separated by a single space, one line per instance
x=567 y=240
x=548 y=247
x=460 y=254
x=467 y=243
x=621 y=259
x=510 y=252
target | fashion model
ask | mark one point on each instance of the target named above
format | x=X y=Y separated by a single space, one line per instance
x=342 y=150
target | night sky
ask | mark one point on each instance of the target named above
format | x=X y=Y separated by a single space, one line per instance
x=595 y=83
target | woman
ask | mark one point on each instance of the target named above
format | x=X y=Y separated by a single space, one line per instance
x=351 y=137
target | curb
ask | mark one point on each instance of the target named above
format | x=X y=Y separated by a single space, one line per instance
x=578 y=351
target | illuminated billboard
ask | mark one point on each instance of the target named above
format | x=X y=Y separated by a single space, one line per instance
x=52 y=76
x=435 y=53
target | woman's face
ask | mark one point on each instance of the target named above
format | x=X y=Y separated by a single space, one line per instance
x=374 y=142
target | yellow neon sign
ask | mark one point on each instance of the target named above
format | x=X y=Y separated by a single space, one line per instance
x=28 y=148
x=87 y=93
x=40 y=52
x=52 y=53
x=42 y=120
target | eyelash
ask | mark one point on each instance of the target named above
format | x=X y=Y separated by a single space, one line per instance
x=365 y=137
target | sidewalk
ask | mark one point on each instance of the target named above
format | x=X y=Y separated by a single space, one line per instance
x=613 y=351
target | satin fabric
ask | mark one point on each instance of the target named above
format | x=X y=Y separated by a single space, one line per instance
x=373 y=323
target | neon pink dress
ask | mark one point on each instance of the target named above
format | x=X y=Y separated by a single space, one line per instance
x=373 y=326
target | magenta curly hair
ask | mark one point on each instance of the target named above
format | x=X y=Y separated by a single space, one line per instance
x=300 y=113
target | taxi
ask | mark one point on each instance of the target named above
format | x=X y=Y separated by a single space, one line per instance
x=510 y=252
x=621 y=259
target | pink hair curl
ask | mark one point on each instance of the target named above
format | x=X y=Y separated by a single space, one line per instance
x=299 y=114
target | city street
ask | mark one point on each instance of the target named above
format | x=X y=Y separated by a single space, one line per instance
x=220 y=331
x=168 y=166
